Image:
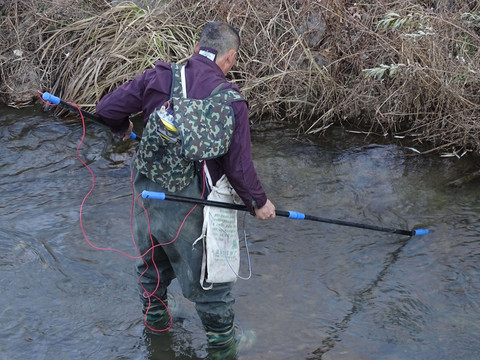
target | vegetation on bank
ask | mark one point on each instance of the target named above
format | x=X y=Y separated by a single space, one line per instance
x=398 y=68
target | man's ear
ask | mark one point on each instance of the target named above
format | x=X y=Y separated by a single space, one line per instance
x=196 y=48
x=226 y=61
x=231 y=57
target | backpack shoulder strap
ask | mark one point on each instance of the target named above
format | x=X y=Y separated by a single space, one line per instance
x=176 y=89
x=216 y=90
x=184 y=83
x=179 y=87
x=227 y=96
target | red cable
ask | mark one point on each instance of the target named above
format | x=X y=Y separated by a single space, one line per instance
x=146 y=294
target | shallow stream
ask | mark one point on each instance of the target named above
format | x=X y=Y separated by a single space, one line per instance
x=318 y=291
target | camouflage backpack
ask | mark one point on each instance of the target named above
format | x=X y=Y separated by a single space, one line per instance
x=183 y=131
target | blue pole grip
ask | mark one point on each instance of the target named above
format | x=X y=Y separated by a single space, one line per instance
x=296 y=215
x=52 y=99
x=420 y=232
x=153 y=195
x=132 y=135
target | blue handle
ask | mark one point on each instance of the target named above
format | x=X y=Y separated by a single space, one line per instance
x=420 y=232
x=153 y=195
x=52 y=99
x=296 y=215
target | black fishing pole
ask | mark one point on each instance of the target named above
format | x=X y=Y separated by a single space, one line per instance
x=55 y=100
x=289 y=214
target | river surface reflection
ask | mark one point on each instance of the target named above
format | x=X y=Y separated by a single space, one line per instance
x=318 y=291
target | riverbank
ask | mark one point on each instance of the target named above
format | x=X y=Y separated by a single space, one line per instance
x=396 y=70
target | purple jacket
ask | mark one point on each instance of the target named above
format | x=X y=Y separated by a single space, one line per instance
x=152 y=88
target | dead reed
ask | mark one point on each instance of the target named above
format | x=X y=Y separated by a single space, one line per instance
x=397 y=68
x=419 y=65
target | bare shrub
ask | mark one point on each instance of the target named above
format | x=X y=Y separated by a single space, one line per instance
x=413 y=69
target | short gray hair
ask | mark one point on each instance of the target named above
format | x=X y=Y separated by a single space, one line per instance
x=220 y=37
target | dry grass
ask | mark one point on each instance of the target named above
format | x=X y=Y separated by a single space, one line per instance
x=398 y=68
x=420 y=67
x=93 y=56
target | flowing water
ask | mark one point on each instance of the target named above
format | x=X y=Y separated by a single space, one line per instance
x=317 y=291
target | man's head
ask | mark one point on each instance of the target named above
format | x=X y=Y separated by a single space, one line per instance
x=224 y=39
x=220 y=37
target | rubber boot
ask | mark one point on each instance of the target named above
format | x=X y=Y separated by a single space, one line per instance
x=227 y=344
x=157 y=315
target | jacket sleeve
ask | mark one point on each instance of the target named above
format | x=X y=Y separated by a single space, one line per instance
x=238 y=164
x=116 y=107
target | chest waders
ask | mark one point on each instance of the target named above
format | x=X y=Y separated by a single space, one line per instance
x=178 y=134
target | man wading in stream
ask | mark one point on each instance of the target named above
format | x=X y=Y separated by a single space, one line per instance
x=161 y=165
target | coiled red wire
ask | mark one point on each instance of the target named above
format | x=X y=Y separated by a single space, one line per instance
x=146 y=294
